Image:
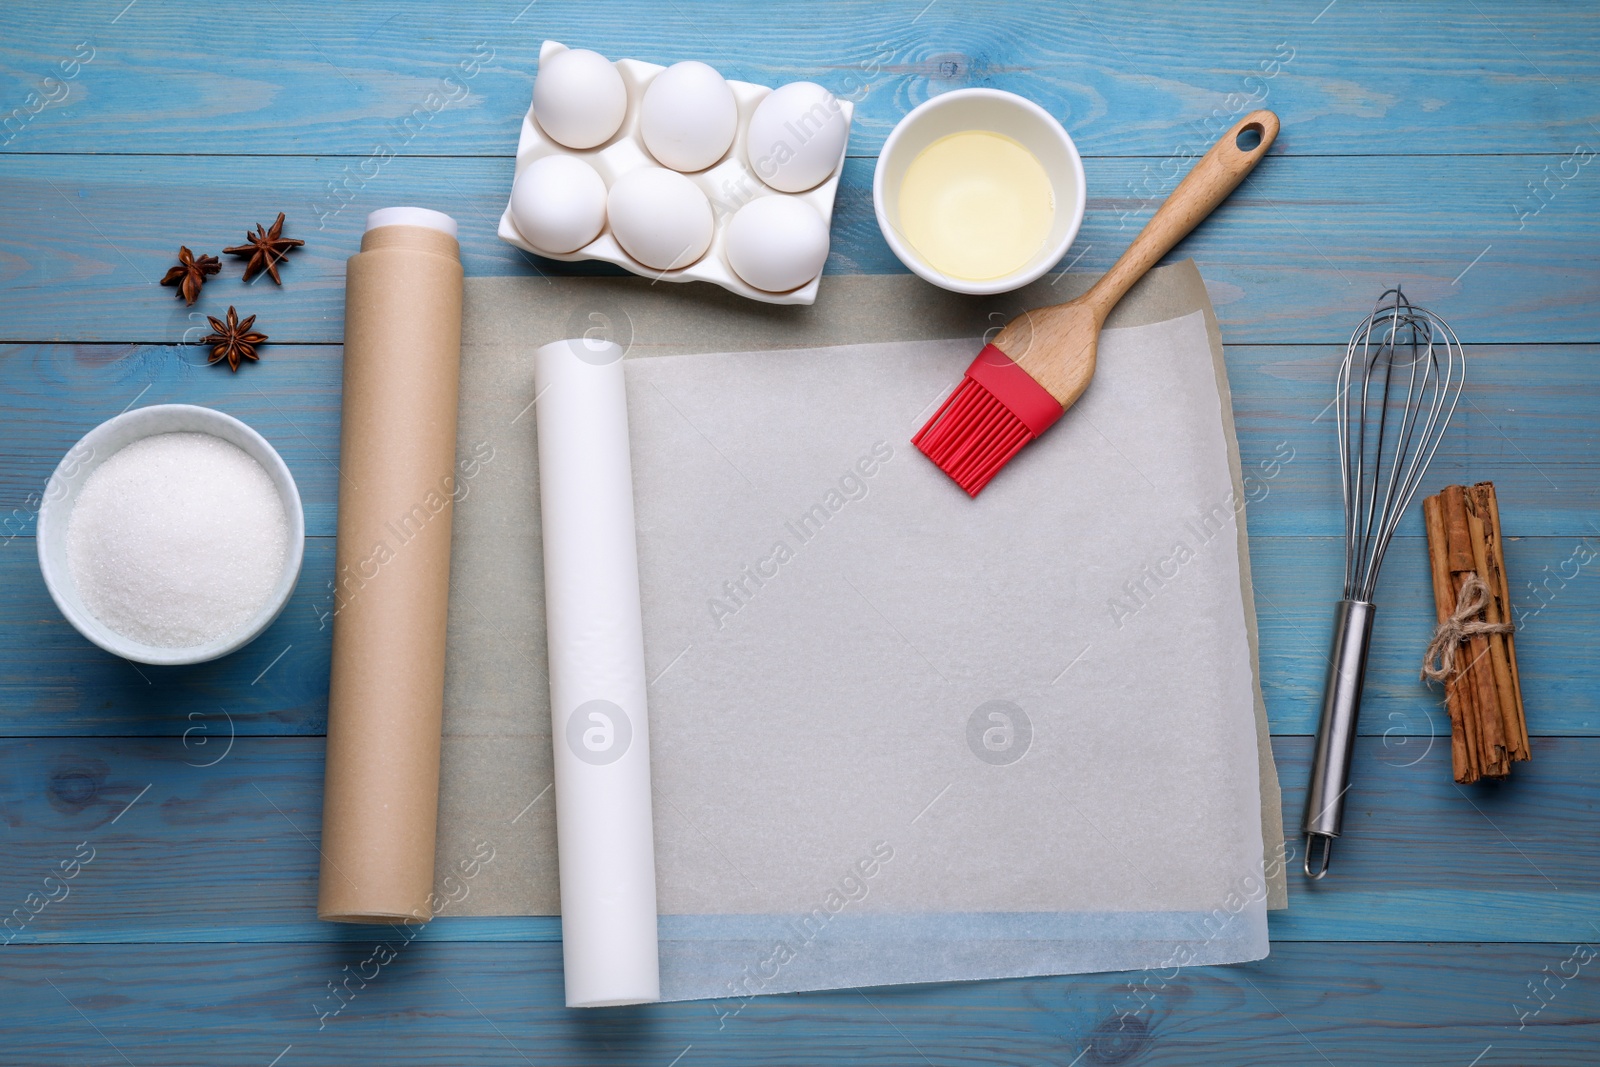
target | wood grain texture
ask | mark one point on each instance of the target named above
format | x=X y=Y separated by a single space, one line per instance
x=1527 y=421
x=1523 y=402
x=1447 y=146
x=209 y=1005
x=1125 y=78
x=1298 y=254
x=1530 y=417
x=227 y=852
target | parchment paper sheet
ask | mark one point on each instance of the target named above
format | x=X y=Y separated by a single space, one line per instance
x=801 y=775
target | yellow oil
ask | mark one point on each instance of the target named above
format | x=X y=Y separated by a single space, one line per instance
x=976 y=205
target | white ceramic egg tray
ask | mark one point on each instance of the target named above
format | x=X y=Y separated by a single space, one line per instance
x=729 y=184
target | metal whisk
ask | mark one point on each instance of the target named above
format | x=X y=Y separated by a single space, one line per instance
x=1397 y=389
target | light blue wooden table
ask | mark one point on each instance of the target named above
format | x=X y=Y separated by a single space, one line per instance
x=1447 y=146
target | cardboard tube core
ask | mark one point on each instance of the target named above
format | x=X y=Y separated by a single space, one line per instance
x=402 y=354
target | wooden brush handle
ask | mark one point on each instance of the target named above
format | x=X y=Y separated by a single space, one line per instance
x=1208 y=184
x=1056 y=345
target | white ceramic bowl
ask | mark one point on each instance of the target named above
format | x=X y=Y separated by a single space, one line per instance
x=996 y=112
x=105 y=440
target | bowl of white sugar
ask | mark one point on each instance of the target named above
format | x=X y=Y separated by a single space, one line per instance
x=171 y=534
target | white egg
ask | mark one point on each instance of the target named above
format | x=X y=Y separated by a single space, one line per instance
x=579 y=98
x=559 y=204
x=660 y=218
x=777 y=243
x=797 y=135
x=688 y=116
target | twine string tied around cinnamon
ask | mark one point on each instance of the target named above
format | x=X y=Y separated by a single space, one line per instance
x=1439 y=661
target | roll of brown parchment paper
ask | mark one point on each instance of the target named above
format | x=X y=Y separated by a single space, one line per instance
x=402 y=352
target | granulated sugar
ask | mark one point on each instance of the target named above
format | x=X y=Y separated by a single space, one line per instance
x=177 y=539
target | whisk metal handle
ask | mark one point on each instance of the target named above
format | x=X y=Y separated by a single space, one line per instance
x=1336 y=732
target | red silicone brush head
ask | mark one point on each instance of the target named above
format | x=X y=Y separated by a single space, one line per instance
x=972 y=435
x=997 y=409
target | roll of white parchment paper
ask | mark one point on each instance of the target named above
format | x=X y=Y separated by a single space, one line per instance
x=599 y=726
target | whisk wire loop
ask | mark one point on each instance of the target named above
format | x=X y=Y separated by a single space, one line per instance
x=1397 y=388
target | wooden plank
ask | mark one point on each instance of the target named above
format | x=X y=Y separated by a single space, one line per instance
x=54 y=394
x=211 y=1005
x=1297 y=255
x=1298 y=581
x=1125 y=78
x=227 y=851
x=1527 y=422
x=1541 y=396
x=55 y=683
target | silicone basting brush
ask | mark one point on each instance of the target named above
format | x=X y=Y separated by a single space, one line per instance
x=1041 y=362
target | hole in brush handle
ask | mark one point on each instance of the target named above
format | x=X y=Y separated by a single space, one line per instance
x=1252 y=135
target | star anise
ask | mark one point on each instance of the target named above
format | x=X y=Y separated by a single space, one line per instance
x=232 y=340
x=190 y=273
x=266 y=249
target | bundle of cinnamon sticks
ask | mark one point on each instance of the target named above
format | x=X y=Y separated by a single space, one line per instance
x=1487 y=729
